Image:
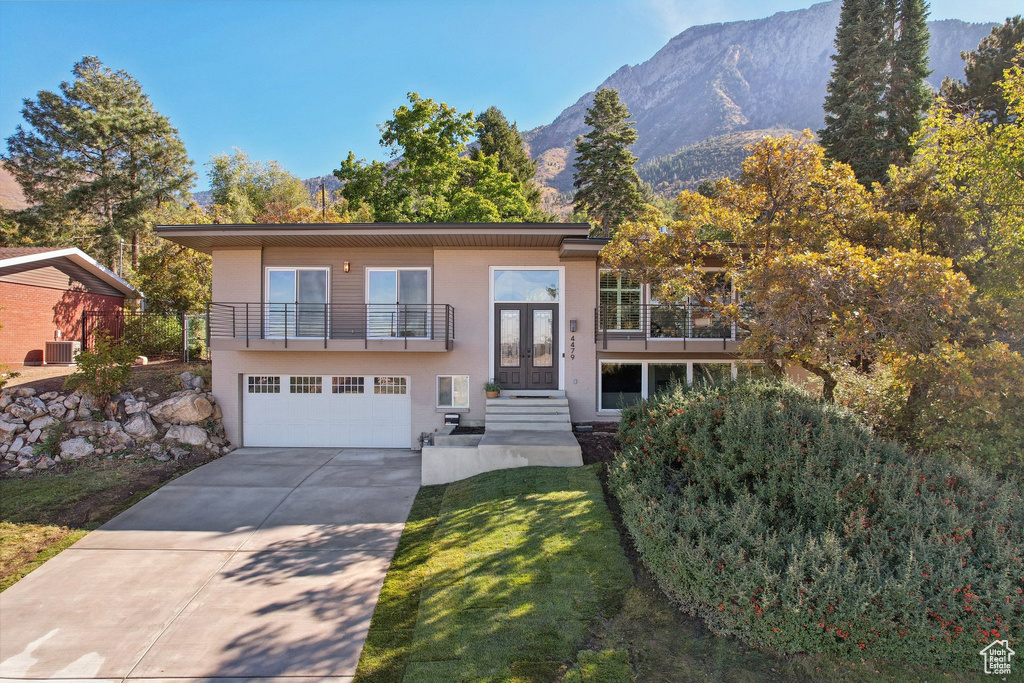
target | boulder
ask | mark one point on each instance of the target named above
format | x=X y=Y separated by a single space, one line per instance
x=5 y=400
x=182 y=409
x=89 y=428
x=10 y=427
x=72 y=401
x=27 y=408
x=44 y=463
x=140 y=426
x=132 y=407
x=186 y=378
x=48 y=396
x=70 y=415
x=116 y=440
x=58 y=410
x=193 y=435
x=88 y=403
x=42 y=422
x=197 y=383
x=23 y=391
x=34 y=436
x=17 y=445
x=76 y=448
x=141 y=360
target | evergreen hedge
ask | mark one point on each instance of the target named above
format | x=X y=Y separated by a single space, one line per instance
x=784 y=522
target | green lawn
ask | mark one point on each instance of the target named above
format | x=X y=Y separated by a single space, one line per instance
x=499 y=577
x=519 y=575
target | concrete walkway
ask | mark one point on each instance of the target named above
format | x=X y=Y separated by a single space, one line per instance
x=264 y=563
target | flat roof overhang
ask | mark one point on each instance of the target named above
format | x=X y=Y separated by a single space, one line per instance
x=206 y=238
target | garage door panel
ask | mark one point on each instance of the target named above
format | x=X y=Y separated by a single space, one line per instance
x=365 y=419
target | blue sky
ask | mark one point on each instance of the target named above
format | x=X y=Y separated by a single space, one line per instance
x=304 y=82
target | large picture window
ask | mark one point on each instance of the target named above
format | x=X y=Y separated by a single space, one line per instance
x=296 y=302
x=623 y=383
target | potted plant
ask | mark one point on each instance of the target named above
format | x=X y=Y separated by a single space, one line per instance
x=492 y=389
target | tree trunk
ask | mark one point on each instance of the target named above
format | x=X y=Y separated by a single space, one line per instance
x=828 y=388
x=135 y=250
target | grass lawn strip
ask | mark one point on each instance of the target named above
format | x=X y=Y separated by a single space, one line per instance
x=44 y=513
x=498 y=577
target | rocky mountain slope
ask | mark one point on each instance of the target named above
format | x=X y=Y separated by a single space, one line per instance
x=717 y=79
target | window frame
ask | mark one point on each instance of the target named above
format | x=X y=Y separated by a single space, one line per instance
x=642 y=289
x=437 y=392
x=267 y=303
x=395 y=270
x=644 y=364
x=649 y=293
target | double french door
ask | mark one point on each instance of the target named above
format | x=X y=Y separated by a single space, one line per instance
x=526 y=346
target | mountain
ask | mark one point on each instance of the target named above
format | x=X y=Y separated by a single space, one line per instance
x=717 y=79
x=11 y=196
x=715 y=157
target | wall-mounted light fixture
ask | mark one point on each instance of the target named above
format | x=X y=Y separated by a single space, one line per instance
x=572 y=325
x=346 y=266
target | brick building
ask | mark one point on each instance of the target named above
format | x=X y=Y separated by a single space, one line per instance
x=43 y=293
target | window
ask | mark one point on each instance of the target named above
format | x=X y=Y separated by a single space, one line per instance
x=306 y=385
x=624 y=383
x=525 y=286
x=389 y=385
x=296 y=302
x=750 y=371
x=264 y=385
x=452 y=391
x=620 y=298
x=712 y=373
x=346 y=385
x=621 y=385
x=398 y=302
x=662 y=376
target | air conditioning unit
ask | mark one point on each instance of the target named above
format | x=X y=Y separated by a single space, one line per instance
x=61 y=352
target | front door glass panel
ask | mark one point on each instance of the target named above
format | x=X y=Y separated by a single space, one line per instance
x=526 y=285
x=510 y=338
x=543 y=338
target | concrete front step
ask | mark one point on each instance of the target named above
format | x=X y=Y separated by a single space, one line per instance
x=527 y=410
x=519 y=402
x=532 y=393
x=494 y=418
x=529 y=426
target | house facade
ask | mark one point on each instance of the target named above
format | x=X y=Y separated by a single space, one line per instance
x=369 y=334
x=44 y=293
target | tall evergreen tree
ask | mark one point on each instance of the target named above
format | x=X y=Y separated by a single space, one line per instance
x=607 y=185
x=907 y=95
x=99 y=152
x=854 y=113
x=496 y=137
x=983 y=70
x=877 y=93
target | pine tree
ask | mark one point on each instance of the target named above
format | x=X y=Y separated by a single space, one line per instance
x=983 y=70
x=607 y=185
x=99 y=152
x=497 y=138
x=854 y=113
x=907 y=95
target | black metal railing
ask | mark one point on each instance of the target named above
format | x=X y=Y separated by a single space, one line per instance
x=163 y=334
x=351 y=322
x=644 y=322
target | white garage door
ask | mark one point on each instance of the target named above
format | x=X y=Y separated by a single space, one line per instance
x=366 y=411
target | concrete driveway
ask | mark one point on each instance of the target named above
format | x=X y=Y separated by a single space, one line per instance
x=267 y=562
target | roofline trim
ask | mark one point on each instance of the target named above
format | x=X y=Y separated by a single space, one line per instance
x=78 y=256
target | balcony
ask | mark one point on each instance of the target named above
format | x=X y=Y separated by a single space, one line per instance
x=334 y=327
x=663 y=327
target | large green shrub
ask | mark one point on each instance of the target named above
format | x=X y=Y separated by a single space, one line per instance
x=782 y=521
x=103 y=370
